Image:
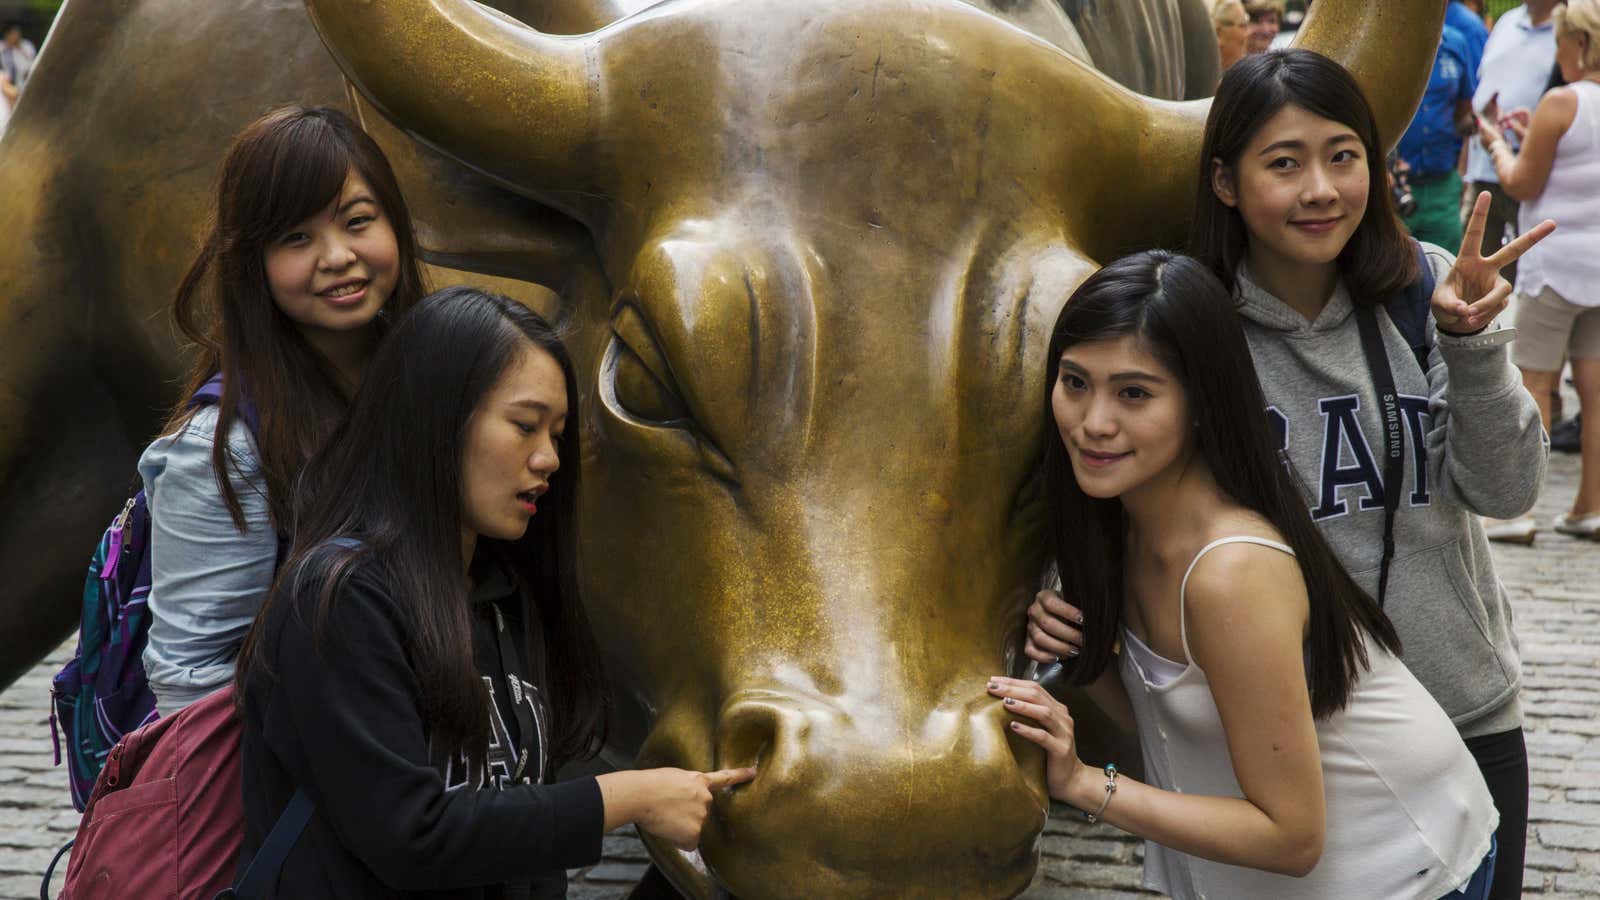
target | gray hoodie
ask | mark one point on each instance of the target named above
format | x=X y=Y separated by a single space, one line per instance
x=1474 y=447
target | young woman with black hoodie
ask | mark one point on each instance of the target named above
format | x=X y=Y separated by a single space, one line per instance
x=424 y=663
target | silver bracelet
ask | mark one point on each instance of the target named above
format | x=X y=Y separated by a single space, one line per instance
x=1111 y=788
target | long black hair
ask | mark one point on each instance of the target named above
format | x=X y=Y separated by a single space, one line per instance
x=1378 y=260
x=1181 y=314
x=389 y=481
x=281 y=169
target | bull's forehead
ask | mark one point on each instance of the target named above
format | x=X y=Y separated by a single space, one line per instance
x=883 y=110
x=815 y=343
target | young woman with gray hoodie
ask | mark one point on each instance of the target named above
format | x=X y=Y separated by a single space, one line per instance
x=1293 y=215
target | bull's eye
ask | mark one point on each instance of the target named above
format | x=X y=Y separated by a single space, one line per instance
x=642 y=383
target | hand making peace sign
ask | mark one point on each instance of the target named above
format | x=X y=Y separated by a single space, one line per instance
x=1468 y=299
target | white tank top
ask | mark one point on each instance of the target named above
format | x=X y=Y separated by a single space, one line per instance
x=1567 y=260
x=1408 y=814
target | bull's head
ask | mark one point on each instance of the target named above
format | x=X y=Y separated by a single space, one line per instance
x=833 y=236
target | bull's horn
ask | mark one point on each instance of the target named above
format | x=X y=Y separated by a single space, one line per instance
x=576 y=16
x=502 y=97
x=1388 y=46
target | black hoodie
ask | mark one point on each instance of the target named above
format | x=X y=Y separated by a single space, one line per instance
x=394 y=817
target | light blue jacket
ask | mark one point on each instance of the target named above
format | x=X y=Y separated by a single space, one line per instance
x=207 y=579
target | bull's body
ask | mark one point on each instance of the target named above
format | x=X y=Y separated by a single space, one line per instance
x=810 y=252
x=106 y=176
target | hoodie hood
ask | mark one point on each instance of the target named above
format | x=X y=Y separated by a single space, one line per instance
x=1258 y=305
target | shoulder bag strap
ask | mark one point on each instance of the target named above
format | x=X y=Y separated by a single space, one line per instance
x=263 y=869
x=1393 y=433
x=525 y=724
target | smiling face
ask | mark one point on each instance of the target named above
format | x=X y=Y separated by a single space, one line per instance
x=1264 y=26
x=1122 y=415
x=333 y=272
x=1301 y=185
x=512 y=447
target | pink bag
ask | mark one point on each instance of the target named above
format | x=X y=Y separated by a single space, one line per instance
x=166 y=817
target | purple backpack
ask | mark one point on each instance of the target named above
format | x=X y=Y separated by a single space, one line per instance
x=101 y=694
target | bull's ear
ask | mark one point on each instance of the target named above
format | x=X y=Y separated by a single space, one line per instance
x=466 y=222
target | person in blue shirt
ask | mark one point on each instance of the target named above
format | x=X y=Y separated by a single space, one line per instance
x=1459 y=16
x=1431 y=146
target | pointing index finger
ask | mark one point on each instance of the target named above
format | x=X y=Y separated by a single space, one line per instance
x=727 y=778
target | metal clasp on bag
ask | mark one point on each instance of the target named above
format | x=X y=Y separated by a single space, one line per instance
x=113 y=766
x=119 y=525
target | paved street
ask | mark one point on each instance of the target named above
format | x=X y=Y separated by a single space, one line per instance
x=1555 y=587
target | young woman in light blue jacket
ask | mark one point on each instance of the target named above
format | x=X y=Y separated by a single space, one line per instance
x=310 y=258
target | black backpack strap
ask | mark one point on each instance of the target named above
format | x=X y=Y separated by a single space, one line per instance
x=1409 y=311
x=1393 y=433
x=263 y=869
x=44 y=886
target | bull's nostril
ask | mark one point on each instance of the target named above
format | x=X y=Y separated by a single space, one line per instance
x=749 y=730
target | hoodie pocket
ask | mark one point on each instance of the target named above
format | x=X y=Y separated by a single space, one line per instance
x=1444 y=632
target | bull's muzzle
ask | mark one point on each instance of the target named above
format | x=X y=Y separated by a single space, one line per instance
x=874 y=800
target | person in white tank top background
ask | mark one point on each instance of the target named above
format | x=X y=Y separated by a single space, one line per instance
x=1262 y=680
x=1557 y=176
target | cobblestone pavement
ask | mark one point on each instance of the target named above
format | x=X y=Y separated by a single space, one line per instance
x=1555 y=588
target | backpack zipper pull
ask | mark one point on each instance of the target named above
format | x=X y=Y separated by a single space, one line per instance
x=113 y=766
x=114 y=545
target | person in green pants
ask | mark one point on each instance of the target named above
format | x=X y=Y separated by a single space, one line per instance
x=1431 y=145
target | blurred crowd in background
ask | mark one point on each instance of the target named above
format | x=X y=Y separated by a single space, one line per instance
x=23 y=26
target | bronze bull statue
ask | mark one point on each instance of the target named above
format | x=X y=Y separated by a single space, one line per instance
x=809 y=254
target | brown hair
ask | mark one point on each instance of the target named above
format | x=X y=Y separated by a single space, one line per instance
x=281 y=169
x=1255 y=9
x=1379 y=259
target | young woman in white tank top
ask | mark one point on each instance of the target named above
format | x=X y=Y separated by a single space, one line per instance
x=1290 y=754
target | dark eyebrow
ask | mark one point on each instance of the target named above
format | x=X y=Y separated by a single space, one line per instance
x=356 y=201
x=1301 y=145
x=1137 y=375
x=537 y=406
x=1131 y=375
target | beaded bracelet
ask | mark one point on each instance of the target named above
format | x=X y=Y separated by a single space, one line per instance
x=1111 y=788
